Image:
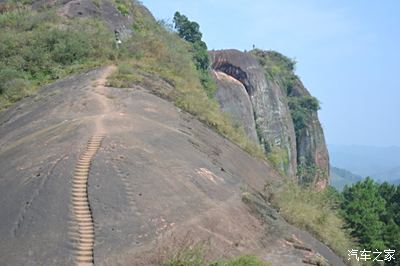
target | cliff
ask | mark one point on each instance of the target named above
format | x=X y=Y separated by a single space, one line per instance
x=271 y=113
x=284 y=113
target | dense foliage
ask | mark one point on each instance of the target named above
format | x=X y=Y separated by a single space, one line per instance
x=372 y=212
x=190 y=32
x=301 y=109
x=36 y=49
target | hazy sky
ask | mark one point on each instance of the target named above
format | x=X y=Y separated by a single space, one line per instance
x=348 y=54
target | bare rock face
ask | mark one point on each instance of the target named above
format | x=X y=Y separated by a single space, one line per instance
x=271 y=113
x=234 y=100
x=312 y=152
x=284 y=112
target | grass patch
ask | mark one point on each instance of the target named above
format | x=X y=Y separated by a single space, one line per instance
x=39 y=47
x=246 y=260
x=187 y=250
x=279 y=158
x=195 y=257
x=316 y=212
x=123 y=6
x=188 y=256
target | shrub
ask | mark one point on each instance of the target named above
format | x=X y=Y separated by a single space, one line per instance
x=16 y=89
x=8 y=74
x=279 y=158
x=301 y=109
x=190 y=32
x=316 y=212
x=67 y=46
x=37 y=48
x=246 y=260
x=123 y=6
x=277 y=67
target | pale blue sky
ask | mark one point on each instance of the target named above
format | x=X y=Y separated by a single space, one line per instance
x=348 y=54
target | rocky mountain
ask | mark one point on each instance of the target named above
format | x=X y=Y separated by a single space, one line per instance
x=121 y=158
x=260 y=91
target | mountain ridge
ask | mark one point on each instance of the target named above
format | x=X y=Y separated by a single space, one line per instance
x=381 y=163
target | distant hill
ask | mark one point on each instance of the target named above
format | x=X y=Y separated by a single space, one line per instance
x=396 y=182
x=381 y=163
x=341 y=177
x=391 y=175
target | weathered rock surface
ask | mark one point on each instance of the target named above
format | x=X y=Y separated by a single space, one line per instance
x=159 y=173
x=272 y=115
x=304 y=150
x=234 y=100
x=311 y=146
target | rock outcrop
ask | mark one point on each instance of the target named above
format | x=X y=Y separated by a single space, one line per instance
x=271 y=113
x=286 y=125
x=312 y=152
x=234 y=100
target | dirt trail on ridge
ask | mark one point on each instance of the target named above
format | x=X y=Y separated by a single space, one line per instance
x=84 y=227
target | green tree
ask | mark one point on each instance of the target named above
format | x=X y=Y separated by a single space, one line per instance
x=190 y=31
x=187 y=30
x=387 y=192
x=363 y=208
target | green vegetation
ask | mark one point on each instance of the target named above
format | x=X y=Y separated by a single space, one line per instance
x=193 y=259
x=365 y=215
x=278 y=67
x=372 y=212
x=246 y=260
x=186 y=251
x=156 y=57
x=307 y=173
x=190 y=32
x=192 y=255
x=301 y=109
x=279 y=158
x=35 y=49
x=123 y=6
x=316 y=212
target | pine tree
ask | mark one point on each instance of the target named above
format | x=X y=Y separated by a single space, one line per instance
x=364 y=209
